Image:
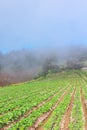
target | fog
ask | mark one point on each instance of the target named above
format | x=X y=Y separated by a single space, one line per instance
x=41 y=37
x=25 y=64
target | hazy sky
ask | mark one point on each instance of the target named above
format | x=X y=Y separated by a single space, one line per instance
x=42 y=23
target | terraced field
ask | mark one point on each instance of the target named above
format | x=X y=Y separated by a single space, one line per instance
x=57 y=102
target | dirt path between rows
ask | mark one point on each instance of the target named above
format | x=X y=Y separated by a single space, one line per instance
x=66 y=118
x=30 y=111
x=44 y=117
x=84 y=105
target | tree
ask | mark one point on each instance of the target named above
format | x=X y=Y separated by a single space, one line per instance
x=77 y=56
x=50 y=65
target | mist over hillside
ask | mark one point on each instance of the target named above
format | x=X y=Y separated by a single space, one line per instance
x=23 y=65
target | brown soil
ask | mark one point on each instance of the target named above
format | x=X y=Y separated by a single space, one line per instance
x=84 y=108
x=15 y=77
x=4 y=79
x=44 y=117
x=66 y=119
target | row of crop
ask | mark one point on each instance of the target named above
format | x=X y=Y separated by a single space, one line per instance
x=77 y=122
x=25 y=91
x=19 y=103
x=9 y=106
x=16 y=92
x=11 y=92
x=27 y=103
x=83 y=75
x=54 y=121
x=15 y=114
x=30 y=120
x=84 y=88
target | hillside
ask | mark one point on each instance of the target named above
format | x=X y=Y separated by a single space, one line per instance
x=57 y=102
